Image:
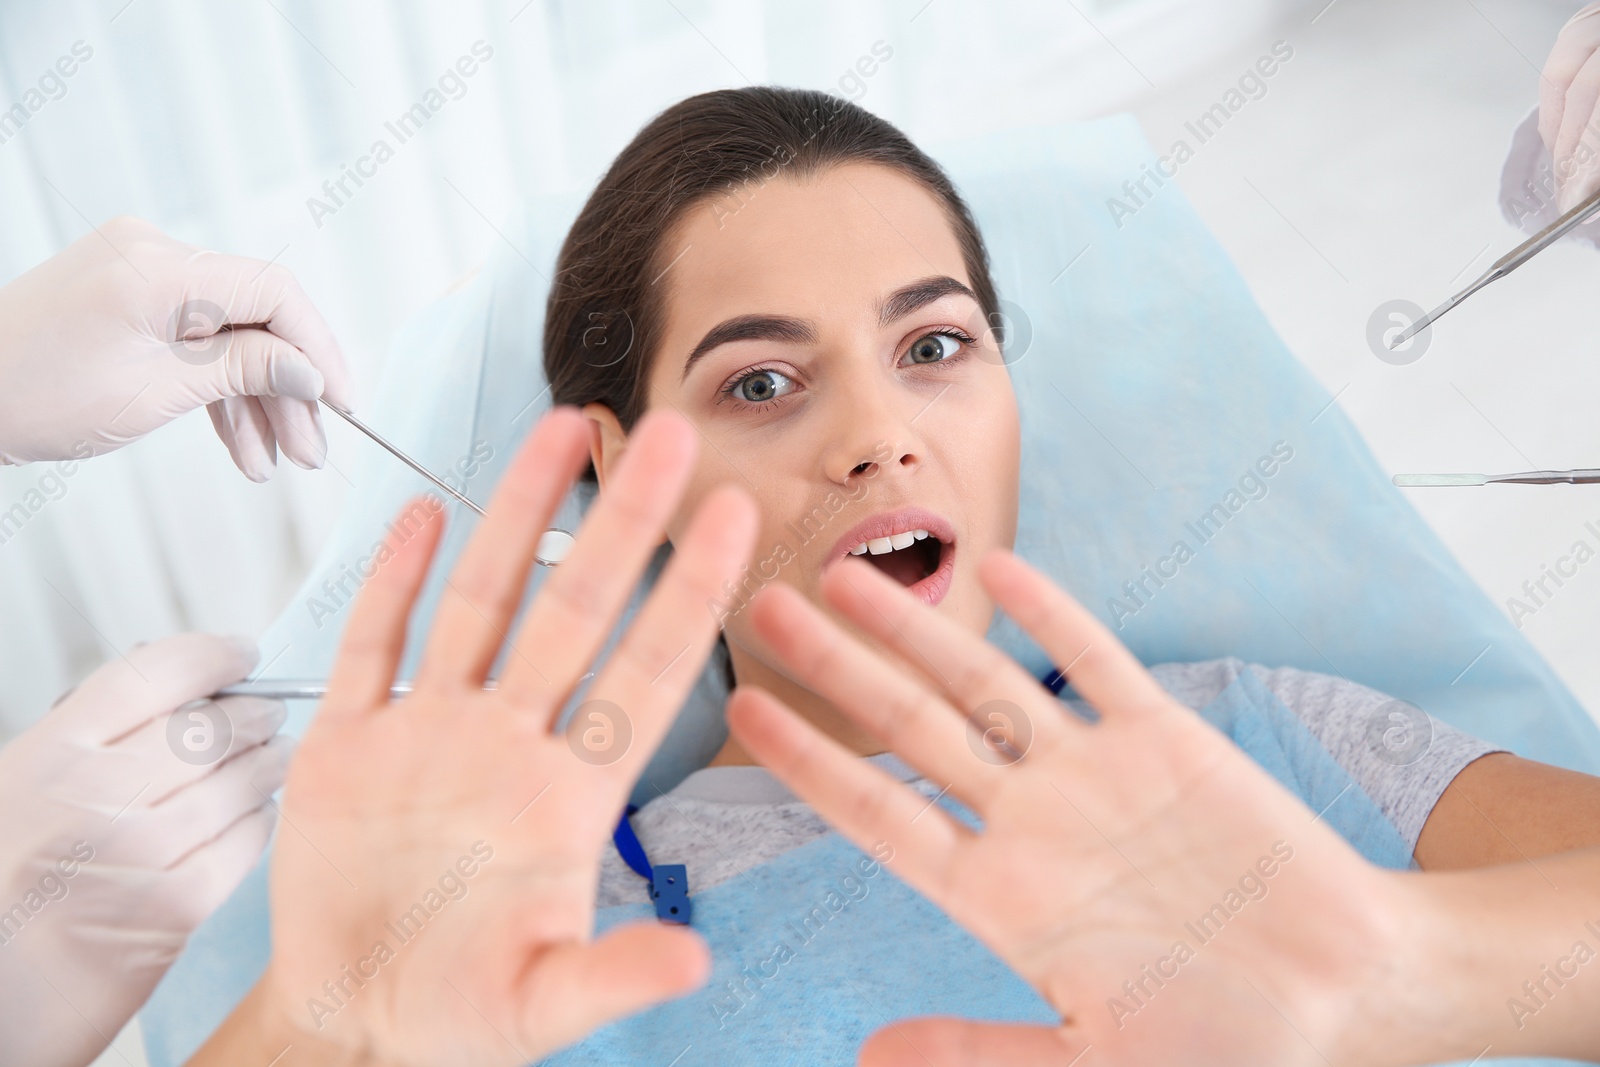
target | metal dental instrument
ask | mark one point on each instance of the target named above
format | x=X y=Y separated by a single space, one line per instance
x=401 y=456
x=1507 y=263
x=1577 y=477
x=298 y=689
x=554 y=543
x=306 y=689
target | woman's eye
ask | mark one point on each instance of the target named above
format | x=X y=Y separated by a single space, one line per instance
x=760 y=386
x=933 y=347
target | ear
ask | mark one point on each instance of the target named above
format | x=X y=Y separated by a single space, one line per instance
x=607 y=440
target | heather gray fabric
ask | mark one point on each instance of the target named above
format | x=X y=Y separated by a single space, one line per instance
x=721 y=821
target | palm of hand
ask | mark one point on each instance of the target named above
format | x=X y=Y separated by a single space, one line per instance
x=500 y=860
x=1098 y=876
x=1150 y=881
x=433 y=887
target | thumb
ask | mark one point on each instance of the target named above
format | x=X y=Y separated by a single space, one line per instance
x=943 y=1042
x=127 y=692
x=248 y=292
x=575 y=989
x=1580 y=186
x=252 y=362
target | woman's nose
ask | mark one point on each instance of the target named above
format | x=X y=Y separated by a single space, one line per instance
x=872 y=431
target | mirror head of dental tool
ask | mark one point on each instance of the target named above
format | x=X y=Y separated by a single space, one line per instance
x=1507 y=263
x=554 y=543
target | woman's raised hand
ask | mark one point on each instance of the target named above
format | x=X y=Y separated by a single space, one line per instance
x=433 y=885
x=1170 y=900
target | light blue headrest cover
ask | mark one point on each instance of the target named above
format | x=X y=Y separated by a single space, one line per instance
x=1183 y=475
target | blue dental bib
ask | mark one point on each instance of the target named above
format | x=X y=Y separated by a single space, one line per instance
x=812 y=951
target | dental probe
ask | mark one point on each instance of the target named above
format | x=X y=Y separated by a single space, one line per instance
x=1578 y=477
x=554 y=543
x=401 y=456
x=1508 y=263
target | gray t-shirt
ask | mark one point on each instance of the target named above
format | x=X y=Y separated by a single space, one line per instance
x=721 y=821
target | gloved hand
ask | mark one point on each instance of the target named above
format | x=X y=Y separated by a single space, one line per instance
x=1569 y=108
x=123 y=331
x=120 y=830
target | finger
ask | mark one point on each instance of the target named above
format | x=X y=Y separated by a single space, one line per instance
x=1571 y=52
x=1572 y=152
x=375 y=637
x=878 y=814
x=477 y=608
x=580 y=602
x=243 y=425
x=162 y=834
x=250 y=362
x=151 y=680
x=297 y=426
x=976 y=675
x=156 y=752
x=573 y=989
x=1584 y=182
x=664 y=651
x=254 y=293
x=890 y=703
x=943 y=1042
x=210 y=873
x=258 y=363
x=1096 y=664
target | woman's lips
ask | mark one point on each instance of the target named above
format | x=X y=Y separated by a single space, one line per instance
x=896 y=525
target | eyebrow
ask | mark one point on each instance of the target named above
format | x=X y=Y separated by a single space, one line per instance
x=918 y=295
x=752 y=328
x=786 y=330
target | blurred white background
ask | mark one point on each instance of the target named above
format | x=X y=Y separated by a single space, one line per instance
x=219 y=122
x=1368 y=171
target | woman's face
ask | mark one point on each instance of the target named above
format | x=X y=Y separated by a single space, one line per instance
x=823 y=336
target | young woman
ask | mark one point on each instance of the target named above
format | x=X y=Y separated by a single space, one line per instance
x=807 y=288
x=807 y=291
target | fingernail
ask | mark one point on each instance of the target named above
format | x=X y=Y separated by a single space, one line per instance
x=296 y=378
x=256 y=465
x=246 y=647
x=310 y=449
x=321 y=441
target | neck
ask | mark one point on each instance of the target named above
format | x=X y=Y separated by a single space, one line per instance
x=829 y=720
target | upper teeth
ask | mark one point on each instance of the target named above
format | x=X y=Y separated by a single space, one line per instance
x=879 y=545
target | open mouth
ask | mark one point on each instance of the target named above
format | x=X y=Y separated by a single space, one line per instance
x=906 y=557
x=914 y=546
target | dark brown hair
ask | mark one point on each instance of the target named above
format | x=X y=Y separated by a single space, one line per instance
x=604 y=313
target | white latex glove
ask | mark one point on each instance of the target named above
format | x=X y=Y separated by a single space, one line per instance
x=1528 y=198
x=113 y=847
x=1569 y=108
x=120 y=333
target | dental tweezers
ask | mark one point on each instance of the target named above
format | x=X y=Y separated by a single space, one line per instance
x=1506 y=264
x=1578 y=477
